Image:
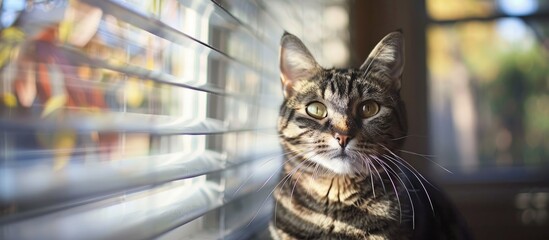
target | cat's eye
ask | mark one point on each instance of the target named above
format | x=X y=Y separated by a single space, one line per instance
x=317 y=110
x=368 y=109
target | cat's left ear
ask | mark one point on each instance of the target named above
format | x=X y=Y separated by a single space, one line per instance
x=387 y=58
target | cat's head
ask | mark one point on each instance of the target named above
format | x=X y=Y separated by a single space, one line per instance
x=342 y=119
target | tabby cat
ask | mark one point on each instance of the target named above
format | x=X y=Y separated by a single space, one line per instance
x=340 y=130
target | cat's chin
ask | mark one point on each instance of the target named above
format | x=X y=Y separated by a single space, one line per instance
x=342 y=164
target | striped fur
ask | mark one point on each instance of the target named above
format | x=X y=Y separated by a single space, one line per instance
x=341 y=177
x=333 y=192
x=311 y=206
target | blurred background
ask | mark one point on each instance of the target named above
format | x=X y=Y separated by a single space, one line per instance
x=476 y=84
x=139 y=119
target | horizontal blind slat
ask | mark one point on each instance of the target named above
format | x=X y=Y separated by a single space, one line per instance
x=245 y=227
x=140 y=215
x=39 y=188
x=255 y=31
x=141 y=73
x=122 y=122
x=157 y=76
x=81 y=180
x=154 y=26
x=138 y=218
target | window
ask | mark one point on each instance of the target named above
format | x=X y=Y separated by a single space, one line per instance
x=488 y=84
x=125 y=119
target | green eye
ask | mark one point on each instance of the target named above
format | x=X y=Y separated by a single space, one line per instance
x=317 y=110
x=368 y=109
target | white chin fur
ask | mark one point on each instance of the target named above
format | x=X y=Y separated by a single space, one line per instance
x=336 y=165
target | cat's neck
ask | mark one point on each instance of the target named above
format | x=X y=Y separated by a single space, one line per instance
x=325 y=185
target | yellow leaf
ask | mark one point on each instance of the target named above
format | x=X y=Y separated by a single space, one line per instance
x=5 y=54
x=10 y=100
x=63 y=143
x=54 y=103
x=134 y=93
x=13 y=34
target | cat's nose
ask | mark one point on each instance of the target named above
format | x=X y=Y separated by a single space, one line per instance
x=342 y=139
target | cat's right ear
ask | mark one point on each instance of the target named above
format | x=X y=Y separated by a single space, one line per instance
x=387 y=58
x=296 y=63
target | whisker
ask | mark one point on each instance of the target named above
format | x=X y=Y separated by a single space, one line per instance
x=288 y=176
x=408 y=166
x=405 y=187
x=267 y=161
x=276 y=206
x=371 y=178
x=254 y=173
x=417 y=154
x=378 y=175
x=367 y=162
x=420 y=182
x=394 y=186
x=264 y=132
x=427 y=158
x=396 y=164
x=296 y=181
x=282 y=165
x=410 y=135
x=315 y=171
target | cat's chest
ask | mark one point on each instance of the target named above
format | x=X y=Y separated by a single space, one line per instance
x=336 y=194
x=337 y=205
x=332 y=190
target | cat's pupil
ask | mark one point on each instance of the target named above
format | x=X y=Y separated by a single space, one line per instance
x=317 y=110
x=369 y=109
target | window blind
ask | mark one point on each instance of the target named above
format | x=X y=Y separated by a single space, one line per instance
x=127 y=119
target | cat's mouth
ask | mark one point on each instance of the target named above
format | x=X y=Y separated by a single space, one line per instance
x=342 y=154
x=346 y=161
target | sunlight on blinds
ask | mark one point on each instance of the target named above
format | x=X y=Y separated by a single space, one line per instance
x=139 y=119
